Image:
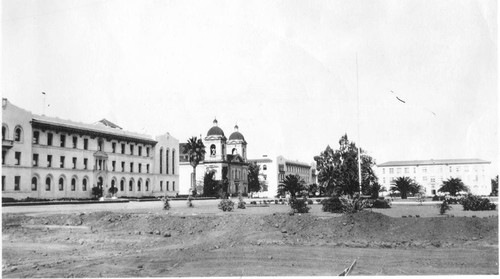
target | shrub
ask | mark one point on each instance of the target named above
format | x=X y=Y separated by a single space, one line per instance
x=226 y=205
x=443 y=207
x=275 y=201
x=353 y=205
x=299 y=205
x=475 y=203
x=309 y=201
x=241 y=203
x=166 y=203
x=318 y=200
x=333 y=204
x=381 y=203
x=253 y=202
x=189 y=201
x=452 y=200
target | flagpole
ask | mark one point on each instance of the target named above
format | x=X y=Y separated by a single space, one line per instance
x=359 y=135
x=43 y=110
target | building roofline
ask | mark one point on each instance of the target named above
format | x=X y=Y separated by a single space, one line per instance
x=433 y=162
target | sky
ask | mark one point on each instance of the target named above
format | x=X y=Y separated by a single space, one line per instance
x=293 y=75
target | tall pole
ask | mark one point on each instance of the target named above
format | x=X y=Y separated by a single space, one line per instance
x=359 y=135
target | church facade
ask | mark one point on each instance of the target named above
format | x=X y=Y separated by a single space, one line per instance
x=226 y=157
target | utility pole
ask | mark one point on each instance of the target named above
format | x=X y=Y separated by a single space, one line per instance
x=359 y=135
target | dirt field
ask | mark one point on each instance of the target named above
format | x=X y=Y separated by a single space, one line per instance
x=266 y=241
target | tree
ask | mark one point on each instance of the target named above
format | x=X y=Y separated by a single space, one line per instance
x=453 y=186
x=253 y=177
x=338 y=169
x=97 y=191
x=113 y=190
x=494 y=186
x=405 y=185
x=195 y=149
x=374 y=190
x=293 y=184
x=210 y=185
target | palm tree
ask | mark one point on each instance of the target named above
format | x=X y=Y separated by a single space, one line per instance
x=195 y=149
x=293 y=184
x=405 y=185
x=453 y=186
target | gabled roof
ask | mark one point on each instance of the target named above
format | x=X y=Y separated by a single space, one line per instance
x=433 y=162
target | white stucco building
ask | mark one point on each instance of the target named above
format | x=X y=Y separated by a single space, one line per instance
x=48 y=157
x=431 y=173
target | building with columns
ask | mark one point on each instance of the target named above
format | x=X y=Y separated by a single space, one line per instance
x=226 y=157
x=50 y=158
x=430 y=174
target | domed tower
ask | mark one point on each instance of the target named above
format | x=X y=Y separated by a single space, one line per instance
x=215 y=144
x=237 y=144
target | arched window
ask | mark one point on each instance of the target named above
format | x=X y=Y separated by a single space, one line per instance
x=48 y=181
x=234 y=151
x=122 y=185
x=147 y=185
x=34 y=182
x=167 y=153
x=139 y=185
x=131 y=185
x=161 y=160
x=61 y=184
x=212 y=150
x=4 y=132
x=173 y=161
x=84 y=184
x=73 y=184
x=18 y=134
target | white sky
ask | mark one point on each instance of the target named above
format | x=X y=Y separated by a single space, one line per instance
x=284 y=71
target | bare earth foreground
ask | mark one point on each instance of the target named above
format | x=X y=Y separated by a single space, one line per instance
x=262 y=241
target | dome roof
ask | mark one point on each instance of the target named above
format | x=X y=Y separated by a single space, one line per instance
x=215 y=130
x=236 y=135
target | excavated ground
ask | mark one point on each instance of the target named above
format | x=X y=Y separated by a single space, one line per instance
x=111 y=244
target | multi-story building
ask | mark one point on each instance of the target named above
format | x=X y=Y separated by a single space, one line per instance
x=431 y=173
x=232 y=166
x=273 y=171
x=47 y=157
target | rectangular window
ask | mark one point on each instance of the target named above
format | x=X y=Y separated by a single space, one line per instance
x=383 y=170
x=3 y=182
x=123 y=166
x=86 y=144
x=75 y=142
x=131 y=167
x=17 y=183
x=123 y=148
x=131 y=149
x=49 y=161
x=173 y=185
x=113 y=165
x=113 y=147
x=167 y=185
x=424 y=170
x=407 y=170
x=35 y=160
x=147 y=168
x=391 y=170
x=49 y=139
x=3 y=157
x=85 y=163
x=36 y=137
x=140 y=150
x=140 y=167
x=161 y=185
x=424 y=178
x=18 y=158
x=147 y=151
x=74 y=162
x=398 y=170
x=61 y=163
x=63 y=140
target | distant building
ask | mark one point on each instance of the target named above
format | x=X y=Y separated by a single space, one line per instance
x=226 y=157
x=273 y=171
x=431 y=173
x=47 y=157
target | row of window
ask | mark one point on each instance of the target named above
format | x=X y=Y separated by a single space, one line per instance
x=18 y=133
x=167 y=161
x=431 y=169
x=297 y=169
x=61 y=184
x=432 y=179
